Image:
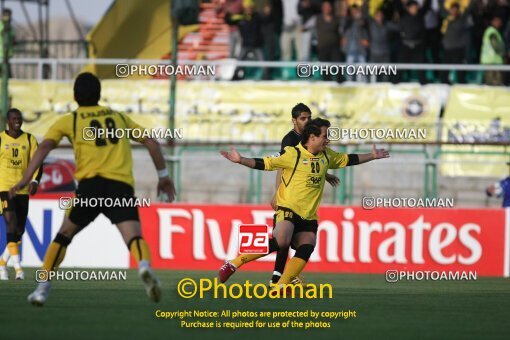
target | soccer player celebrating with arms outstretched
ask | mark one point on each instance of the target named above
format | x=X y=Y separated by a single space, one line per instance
x=299 y=194
x=103 y=169
x=301 y=115
x=16 y=150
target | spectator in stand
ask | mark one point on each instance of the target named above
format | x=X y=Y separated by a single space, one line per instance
x=307 y=9
x=455 y=38
x=291 y=30
x=493 y=51
x=480 y=23
x=433 y=31
x=328 y=35
x=499 y=8
x=390 y=9
x=412 y=34
x=355 y=39
x=270 y=36
x=233 y=12
x=341 y=10
x=250 y=28
x=379 y=32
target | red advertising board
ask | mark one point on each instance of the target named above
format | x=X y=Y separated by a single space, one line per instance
x=350 y=239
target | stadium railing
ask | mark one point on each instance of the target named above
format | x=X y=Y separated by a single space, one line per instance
x=59 y=68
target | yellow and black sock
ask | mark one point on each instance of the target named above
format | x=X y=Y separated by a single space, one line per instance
x=245 y=258
x=139 y=249
x=56 y=252
x=297 y=263
x=12 y=246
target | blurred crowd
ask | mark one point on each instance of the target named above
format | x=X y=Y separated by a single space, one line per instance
x=378 y=31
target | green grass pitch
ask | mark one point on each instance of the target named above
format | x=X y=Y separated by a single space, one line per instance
x=120 y=309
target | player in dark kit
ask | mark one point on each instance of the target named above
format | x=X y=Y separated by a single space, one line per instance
x=501 y=189
x=301 y=115
x=104 y=170
x=303 y=177
x=16 y=149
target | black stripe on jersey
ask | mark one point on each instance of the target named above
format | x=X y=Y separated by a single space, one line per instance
x=40 y=170
x=326 y=155
x=29 y=143
x=74 y=124
x=123 y=119
x=295 y=167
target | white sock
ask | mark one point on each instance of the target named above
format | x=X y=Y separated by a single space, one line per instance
x=46 y=285
x=143 y=264
x=15 y=262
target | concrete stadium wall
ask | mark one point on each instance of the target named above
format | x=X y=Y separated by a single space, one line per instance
x=206 y=177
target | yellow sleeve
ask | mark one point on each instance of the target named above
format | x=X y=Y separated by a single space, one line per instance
x=62 y=127
x=33 y=148
x=131 y=124
x=337 y=160
x=284 y=160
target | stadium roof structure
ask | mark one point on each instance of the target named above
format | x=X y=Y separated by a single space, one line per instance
x=133 y=30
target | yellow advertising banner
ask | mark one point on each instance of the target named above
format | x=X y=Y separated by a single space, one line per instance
x=245 y=111
x=476 y=115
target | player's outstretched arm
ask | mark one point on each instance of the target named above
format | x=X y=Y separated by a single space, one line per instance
x=165 y=184
x=35 y=163
x=375 y=154
x=236 y=157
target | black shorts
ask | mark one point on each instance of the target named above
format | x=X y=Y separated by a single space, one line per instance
x=300 y=224
x=18 y=204
x=100 y=187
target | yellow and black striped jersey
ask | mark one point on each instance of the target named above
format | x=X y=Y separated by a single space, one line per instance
x=106 y=156
x=15 y=154
x=303 y=177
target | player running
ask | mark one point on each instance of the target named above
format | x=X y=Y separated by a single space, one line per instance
x=501 y=189
x=304 y=171
x=16 y=149
x=301 y=114
x=103 y=169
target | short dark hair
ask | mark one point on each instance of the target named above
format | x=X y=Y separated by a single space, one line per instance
x=300 y=107
x=412 y=3
x=13 y=110
x=313 y=127
x=455 y=5
x=87 y=89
